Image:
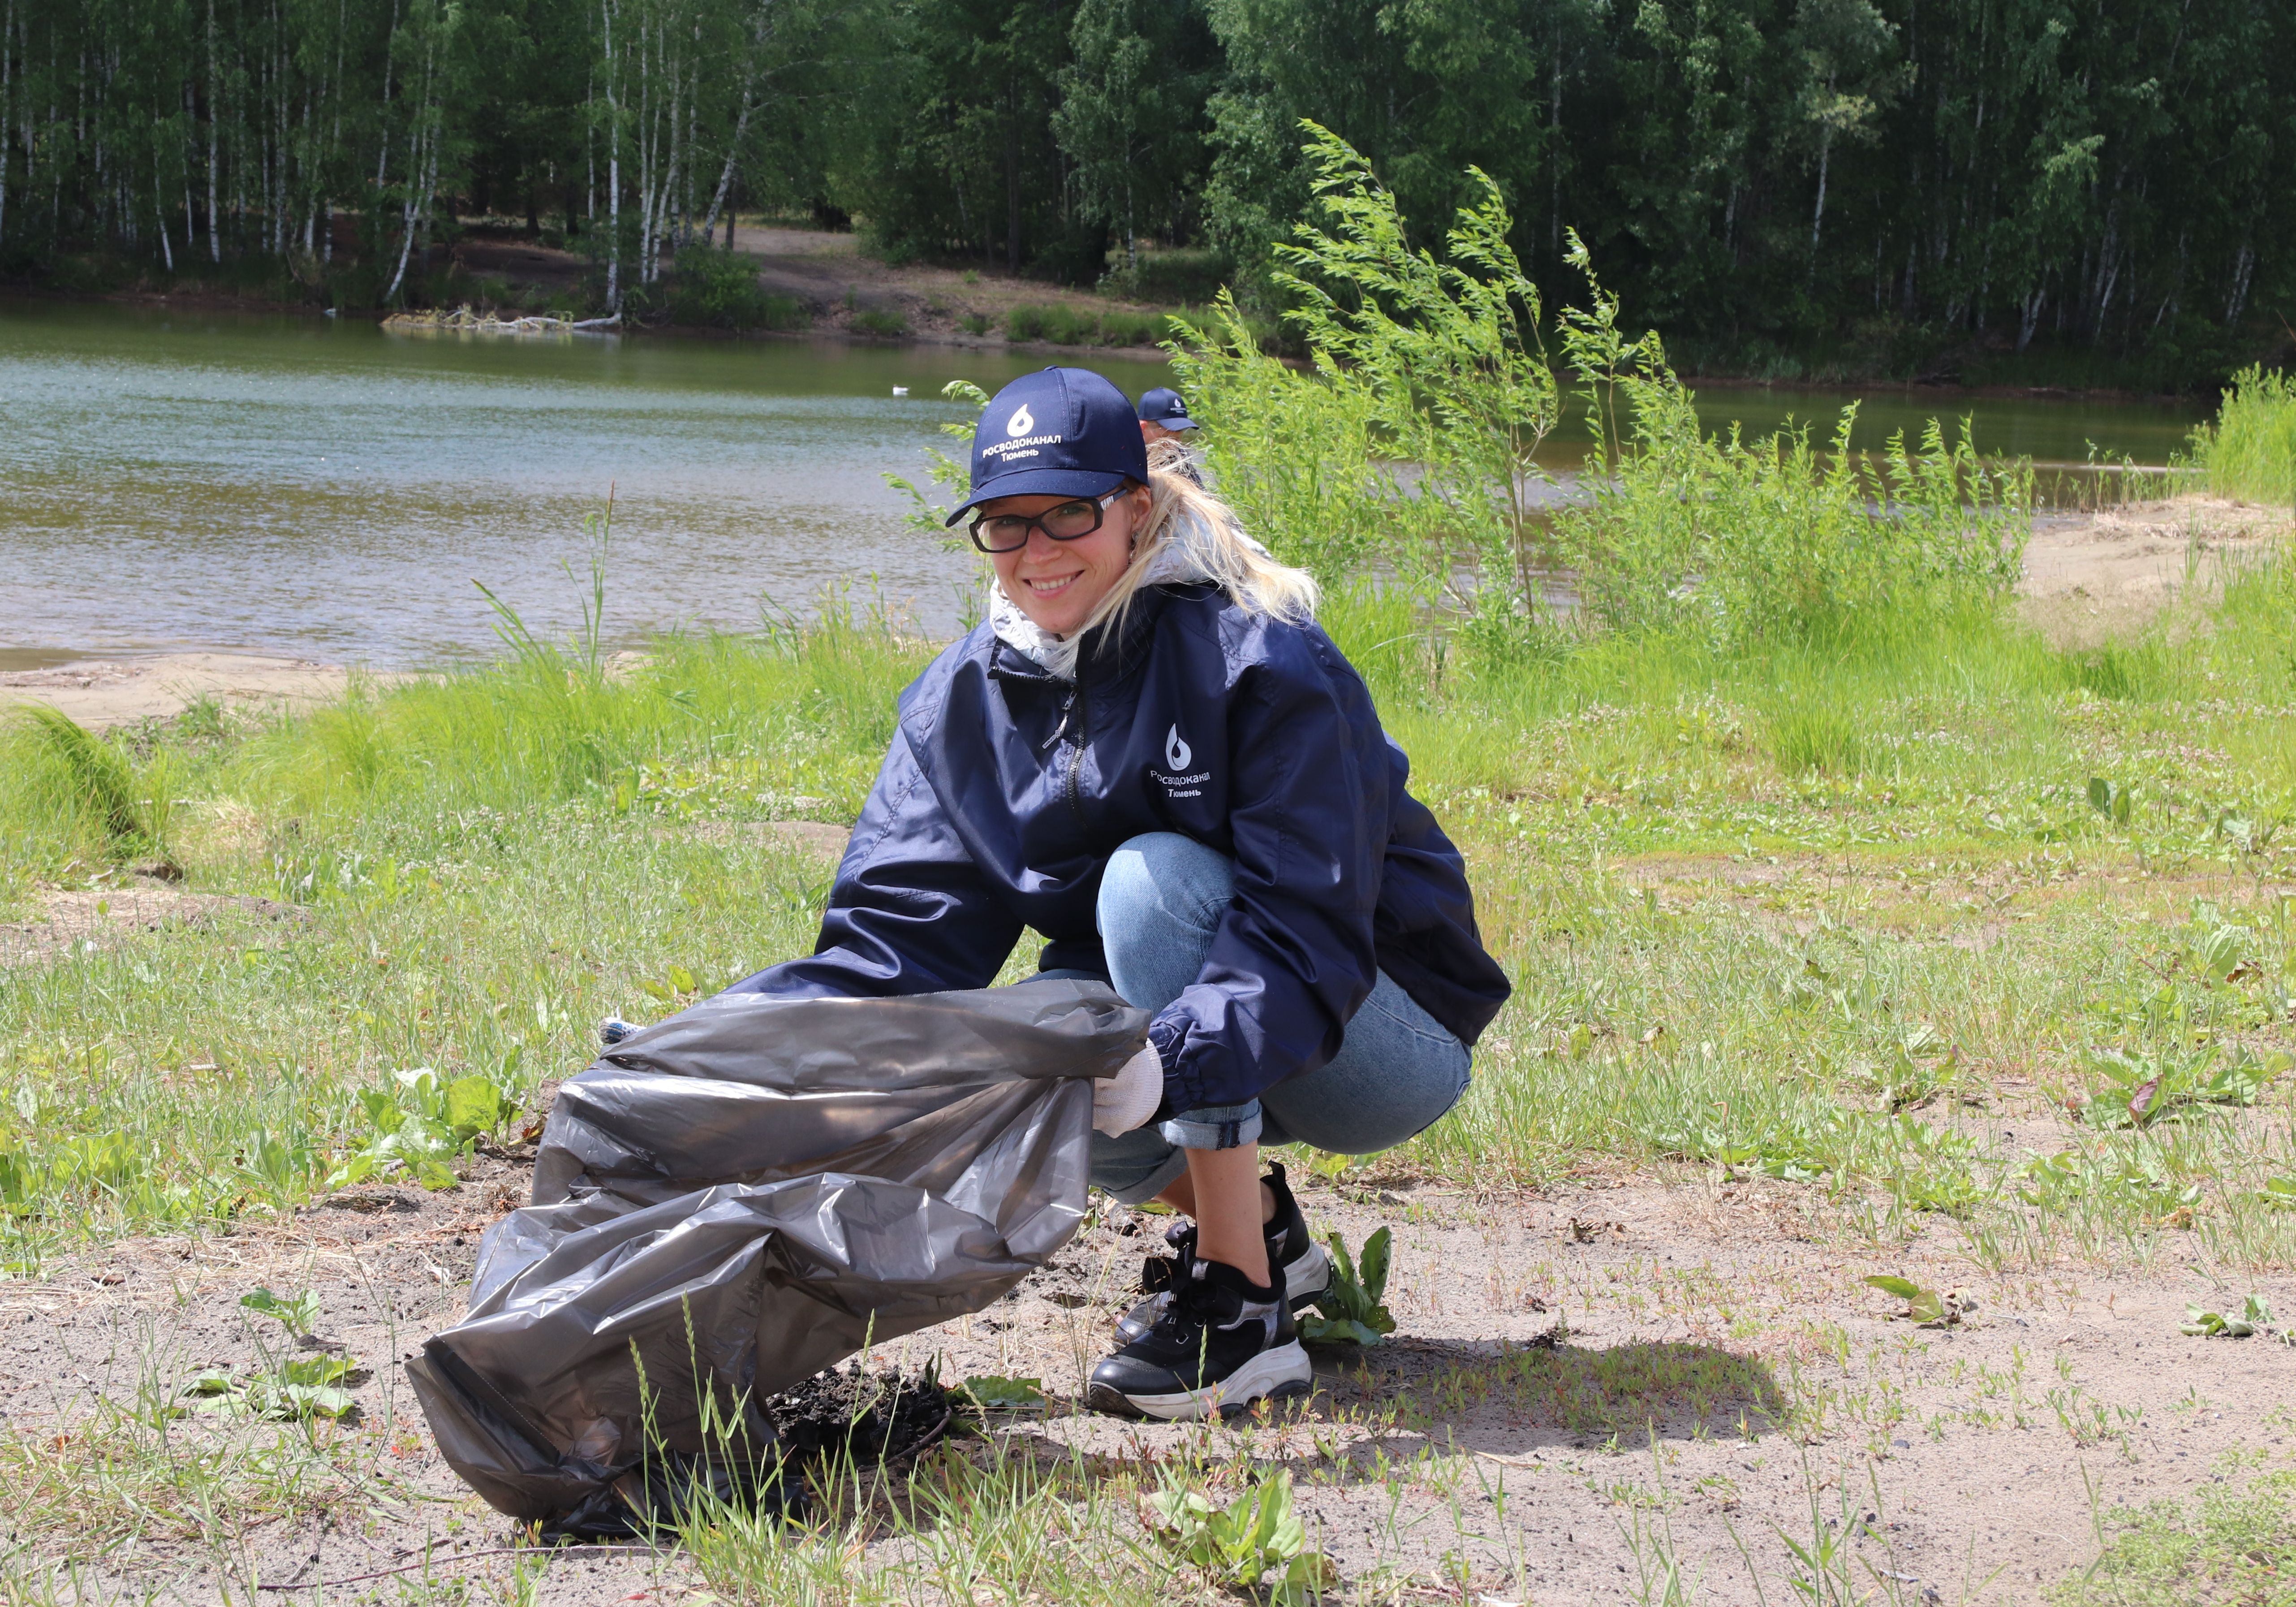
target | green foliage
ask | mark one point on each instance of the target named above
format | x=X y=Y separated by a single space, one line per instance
x=1131 y=114
x=292 y=1387
x=2113 y=802
x=880 y=322
x=1065 y=325
x=2252 y=1317
x=97 y=799
x=1766 y=179
x=424 y=1126
x=718 y=289
x=1239 y=1545
x=1352 y=1307
x=2237 y=1542
x=2250 y=451
x=1770 y=540
x=1924 y=1308
x=2142 y=1089
x=298 y=1315
x=994 y=1392
x=1411 y=450
x=1436 y=364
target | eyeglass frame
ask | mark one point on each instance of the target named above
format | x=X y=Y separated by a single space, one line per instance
x=1037 y=522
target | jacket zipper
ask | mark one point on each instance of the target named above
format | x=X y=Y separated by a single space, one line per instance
x=1076 y=753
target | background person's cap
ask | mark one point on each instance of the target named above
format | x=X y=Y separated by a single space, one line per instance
x=1164 y=407
x=1059 y=431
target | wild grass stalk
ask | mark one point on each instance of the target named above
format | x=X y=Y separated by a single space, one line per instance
x=2250 y=451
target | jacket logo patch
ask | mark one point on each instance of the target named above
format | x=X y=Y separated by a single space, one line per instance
x=1181 y=783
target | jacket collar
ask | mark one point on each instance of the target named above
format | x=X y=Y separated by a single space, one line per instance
x=1098 y=658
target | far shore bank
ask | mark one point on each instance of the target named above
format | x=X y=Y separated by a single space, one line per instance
x=200 y=300
x=850 y=298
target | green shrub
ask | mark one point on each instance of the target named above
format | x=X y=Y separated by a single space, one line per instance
x=2250 y=452
x=1168 y=276
x=1411 y=442
x=1409 y=450
x=1066 y=326
x=877 y=321
x=718 y=289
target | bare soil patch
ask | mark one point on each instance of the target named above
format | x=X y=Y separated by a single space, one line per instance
x=830 y=277
x=102 y=692
x=72 y=918
x=1680 y=1347
x=2092 y=577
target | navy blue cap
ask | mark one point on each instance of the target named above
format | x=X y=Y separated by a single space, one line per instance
x=1164 y=407
x=1061 y=431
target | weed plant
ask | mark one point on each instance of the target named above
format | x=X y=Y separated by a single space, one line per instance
x=1406 y=457
x=2250 y=451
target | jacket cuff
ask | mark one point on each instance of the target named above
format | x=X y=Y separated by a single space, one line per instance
x=1183 y=1090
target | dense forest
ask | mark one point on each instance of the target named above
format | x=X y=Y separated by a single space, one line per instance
x=2102 y=177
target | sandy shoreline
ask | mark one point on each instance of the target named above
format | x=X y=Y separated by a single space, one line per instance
x=2088 y=576
x=104 y=692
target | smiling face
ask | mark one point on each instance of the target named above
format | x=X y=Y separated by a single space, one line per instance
x=1057 y=584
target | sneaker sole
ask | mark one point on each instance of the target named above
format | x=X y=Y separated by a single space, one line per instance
x=1305 y=1277
x=1283 y=1373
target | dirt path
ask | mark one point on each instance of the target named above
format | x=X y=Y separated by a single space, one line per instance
x=1671 y=1368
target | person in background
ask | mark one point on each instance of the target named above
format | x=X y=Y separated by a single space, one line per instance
x=1163 y=415
x=1151 y=754
x=1165 y=427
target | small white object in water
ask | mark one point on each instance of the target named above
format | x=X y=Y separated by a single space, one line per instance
x=900 y=390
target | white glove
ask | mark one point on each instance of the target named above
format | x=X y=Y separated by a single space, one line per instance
x=1129 y=1099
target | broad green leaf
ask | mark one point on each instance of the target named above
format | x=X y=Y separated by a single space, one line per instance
x=474 y=1105
x=1905 y=1289
x=994 y=1392
x=1374 y=1274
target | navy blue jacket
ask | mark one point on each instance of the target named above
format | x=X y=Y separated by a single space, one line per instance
x=1006 y=788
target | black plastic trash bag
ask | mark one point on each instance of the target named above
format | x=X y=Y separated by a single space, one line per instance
x=738 y=1197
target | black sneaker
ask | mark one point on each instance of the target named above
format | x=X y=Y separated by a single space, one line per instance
x=1305 y=1265
x=1221 y=1343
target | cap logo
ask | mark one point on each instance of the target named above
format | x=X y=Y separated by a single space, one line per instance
x=1176 y=752
x=1022 y=422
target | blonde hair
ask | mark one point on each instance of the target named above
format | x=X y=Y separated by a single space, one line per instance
x=1180 y=509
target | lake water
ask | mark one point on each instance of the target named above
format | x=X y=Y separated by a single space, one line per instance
x=317 y=487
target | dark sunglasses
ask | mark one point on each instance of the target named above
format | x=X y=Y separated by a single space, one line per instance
x=1068 y=521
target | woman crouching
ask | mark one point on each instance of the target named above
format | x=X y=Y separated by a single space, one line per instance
x=1152 y=756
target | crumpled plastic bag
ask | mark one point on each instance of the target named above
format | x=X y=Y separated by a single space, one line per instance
x=744 y=1194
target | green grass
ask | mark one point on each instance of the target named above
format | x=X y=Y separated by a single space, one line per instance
x=1824 y=909
x=2250 y=451
x=2238 y=1544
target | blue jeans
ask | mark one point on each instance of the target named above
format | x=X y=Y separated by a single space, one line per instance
x=1398 y=1070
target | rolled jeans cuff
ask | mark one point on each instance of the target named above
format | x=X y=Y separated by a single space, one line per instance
x=1213 y=1126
